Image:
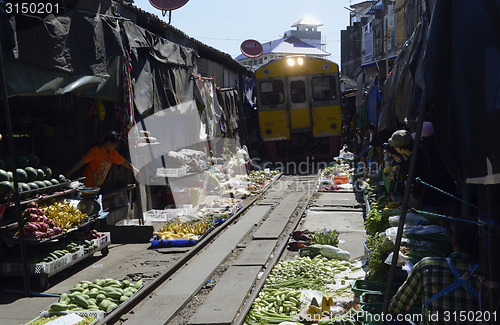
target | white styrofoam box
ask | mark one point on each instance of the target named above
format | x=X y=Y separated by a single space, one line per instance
x=171 y=172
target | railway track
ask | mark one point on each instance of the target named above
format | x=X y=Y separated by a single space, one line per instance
x=216 y=281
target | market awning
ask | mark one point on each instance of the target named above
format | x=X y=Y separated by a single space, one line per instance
x=378 y=62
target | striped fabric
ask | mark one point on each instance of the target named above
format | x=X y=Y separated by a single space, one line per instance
x=428 y=277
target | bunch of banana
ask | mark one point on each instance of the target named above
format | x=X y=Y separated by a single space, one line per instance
x=64 y=214
x=184 y=231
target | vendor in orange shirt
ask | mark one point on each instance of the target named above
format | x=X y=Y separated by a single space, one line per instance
x=99 y=160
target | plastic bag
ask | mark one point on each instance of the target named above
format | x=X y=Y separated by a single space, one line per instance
x=412 y=219
x=402 y=259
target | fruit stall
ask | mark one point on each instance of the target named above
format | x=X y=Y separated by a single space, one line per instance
x=88 y=302
x=186 y=225
x=56 y=232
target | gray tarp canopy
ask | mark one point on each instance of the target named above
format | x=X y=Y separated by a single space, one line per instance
x=81 y=54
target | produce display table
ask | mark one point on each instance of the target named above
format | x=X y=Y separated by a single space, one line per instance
x=46 y=270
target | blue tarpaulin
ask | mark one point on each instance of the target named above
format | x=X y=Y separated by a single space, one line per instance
x=373 y=102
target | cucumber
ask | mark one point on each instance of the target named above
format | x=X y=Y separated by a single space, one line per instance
x=104 y=304
x=138 y=284
x=111 y=306
x=58 y=306
x=63 y=297
x=114 y=295
x=80 y=301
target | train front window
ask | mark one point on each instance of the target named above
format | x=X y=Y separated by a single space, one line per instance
x=298 y=91
x=271 y=92
x=323 y=88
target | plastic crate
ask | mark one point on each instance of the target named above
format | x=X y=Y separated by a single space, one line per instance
x=172 y=243
x=158 y=215
x=49 y=267
x=70 y=257
x=103 y=240
x=98 y=314
x=369 y=297
x=359 y=287
x=41 y=317
x=368 y=254
x=340 y=180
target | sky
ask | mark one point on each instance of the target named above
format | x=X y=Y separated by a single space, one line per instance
x=225 y=24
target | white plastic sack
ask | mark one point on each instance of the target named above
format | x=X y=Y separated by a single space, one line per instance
x=412 y=219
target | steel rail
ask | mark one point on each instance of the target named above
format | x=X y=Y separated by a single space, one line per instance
x=148 y=289
x=240 y=319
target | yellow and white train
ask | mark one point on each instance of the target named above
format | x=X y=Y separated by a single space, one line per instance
x=299 y=108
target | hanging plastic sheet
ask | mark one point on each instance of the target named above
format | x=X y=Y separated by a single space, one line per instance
x=373 y=102
x=72 y=42
x=463 y=86
x=211 y=111
x=232 y=102
x=401 y=94
x=156 y=136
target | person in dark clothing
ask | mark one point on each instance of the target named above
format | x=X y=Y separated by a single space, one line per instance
x=442 y=286
x=429 y=168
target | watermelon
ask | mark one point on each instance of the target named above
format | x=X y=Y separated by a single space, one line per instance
x=22 y=161
x=41 y=174
x=47 y=171
x=21 y=174
x=61 y=178
x=40 y=184
x=6 y=187
x=23 y=187
x=33 y=186
x=4 y=176
x=31 y=173
x=34 y=161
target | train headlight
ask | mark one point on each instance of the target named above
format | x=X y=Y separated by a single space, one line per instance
x=290 y=62
x=300 y=61
x=269 y=131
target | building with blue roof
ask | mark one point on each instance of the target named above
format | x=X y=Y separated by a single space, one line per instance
x=305 y=40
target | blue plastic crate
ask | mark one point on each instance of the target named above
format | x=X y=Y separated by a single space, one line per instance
x=172 y=243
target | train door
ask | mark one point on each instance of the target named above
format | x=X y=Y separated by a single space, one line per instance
x=326 y=109
x=299 y=100
x=273 y=115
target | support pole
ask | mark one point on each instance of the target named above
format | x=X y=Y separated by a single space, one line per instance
x=404 y=208
x=489 y=250
x=17 y=204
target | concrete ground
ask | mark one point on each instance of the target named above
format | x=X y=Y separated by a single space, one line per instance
x=340 y=211
x=130 y=261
